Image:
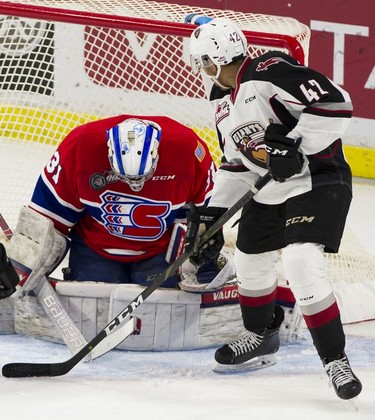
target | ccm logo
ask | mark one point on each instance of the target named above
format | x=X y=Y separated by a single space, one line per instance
x=299 y=219
x=306 y=298
x=163 y=177
x=247 y=100
x=273 y=151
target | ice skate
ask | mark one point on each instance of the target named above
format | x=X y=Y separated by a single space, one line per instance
x=252 y=350
x=341 y=377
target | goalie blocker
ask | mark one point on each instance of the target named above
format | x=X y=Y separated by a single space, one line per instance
x=36 y=248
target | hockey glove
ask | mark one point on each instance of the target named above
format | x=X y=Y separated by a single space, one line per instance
x=199 y=221
x=8 y=275
x=283 y=158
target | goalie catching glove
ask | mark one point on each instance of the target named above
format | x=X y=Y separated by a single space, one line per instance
x=283 y=158
x=199 y=221
x=8 y=276
x=208 y=277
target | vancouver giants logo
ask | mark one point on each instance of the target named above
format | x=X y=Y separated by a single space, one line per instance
x=222 y=111
x=249 y=141
x=134 y=218
x=263 y=65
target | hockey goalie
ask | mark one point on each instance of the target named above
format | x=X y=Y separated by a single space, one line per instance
x=115 y=193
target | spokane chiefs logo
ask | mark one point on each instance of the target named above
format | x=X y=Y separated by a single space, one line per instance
x=135 y=218
x=249 y=141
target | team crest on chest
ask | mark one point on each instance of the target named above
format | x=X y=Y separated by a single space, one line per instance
x=249 y=141
x=134 y=217
x=222 y=111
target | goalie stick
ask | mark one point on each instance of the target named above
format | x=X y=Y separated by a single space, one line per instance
x=56 y=311
x=22 y=370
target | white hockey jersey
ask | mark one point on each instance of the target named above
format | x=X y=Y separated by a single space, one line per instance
x=275 y=88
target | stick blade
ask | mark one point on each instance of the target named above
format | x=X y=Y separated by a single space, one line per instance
x=25 y=370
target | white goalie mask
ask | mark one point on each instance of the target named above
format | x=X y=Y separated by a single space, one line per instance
x=218 y=42
x=133 y=151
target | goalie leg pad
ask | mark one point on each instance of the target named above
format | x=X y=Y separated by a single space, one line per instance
x=7 y=315
x=37 y=246
x=169 y=319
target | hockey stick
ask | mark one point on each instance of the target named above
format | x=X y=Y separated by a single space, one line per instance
x=22 y=370
x=56 y=311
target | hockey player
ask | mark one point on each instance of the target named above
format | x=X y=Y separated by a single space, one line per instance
x=116 y=187
x=274 y=114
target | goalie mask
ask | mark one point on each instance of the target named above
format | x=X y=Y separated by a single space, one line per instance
x=218 y=42
x=133 y=151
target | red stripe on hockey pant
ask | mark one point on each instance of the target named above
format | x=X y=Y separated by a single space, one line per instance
x=257 y=300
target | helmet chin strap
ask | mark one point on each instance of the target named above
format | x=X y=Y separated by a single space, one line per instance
x=215 y=79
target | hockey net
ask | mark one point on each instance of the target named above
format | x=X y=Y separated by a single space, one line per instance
x=67 y=62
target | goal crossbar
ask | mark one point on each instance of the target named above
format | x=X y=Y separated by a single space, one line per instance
x=288 y=42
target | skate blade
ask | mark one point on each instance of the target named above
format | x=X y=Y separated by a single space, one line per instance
x=352 y=404
x=257 y=363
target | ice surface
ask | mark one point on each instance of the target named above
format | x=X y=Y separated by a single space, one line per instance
x=182 y=385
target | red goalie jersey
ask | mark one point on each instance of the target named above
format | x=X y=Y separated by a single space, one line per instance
x=78 y=190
